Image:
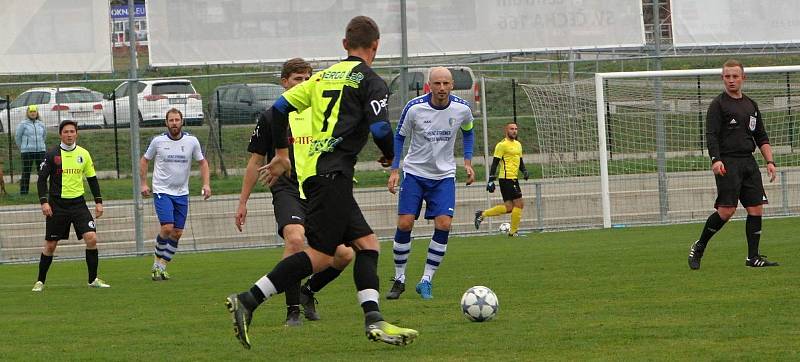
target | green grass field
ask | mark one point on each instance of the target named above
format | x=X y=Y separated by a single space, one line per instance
x=622 y=294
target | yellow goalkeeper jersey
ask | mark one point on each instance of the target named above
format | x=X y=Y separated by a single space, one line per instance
x=509 y=152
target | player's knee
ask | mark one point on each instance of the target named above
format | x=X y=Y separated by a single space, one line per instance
x=293 y=235
x=726 y=213
x=444 y=223
x=49 y=247
x=90 y=239
x=167 y=229
x=369 y=242
x=405 y=224
x=176 y=234
x=509 y=208
x=344 y=255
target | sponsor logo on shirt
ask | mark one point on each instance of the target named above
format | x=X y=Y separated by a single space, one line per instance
x=378 y=105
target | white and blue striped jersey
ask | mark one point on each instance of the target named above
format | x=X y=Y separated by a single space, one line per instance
x=433 y=135
x=173 y=162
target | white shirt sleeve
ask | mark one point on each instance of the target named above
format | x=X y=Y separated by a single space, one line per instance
x=407 y=122
x=151 y=149
x=197 y=154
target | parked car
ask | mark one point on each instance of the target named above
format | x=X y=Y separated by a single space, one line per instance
x=155 y=98
x=55 y=105
x=241 y=103
x=465 y=86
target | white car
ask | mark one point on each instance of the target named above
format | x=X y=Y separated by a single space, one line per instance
x=155 y=98
x=78 y=104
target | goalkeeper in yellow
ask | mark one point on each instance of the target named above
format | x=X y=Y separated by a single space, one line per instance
x=508 y=156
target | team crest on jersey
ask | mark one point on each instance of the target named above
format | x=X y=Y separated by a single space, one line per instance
x=752 y=124
x=450 y=121
x=79 y=160
x=181 y=148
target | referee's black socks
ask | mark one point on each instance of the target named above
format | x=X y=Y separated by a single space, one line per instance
x=91 y=263
x=44 y=266
x=713 y=224
x=753 y=230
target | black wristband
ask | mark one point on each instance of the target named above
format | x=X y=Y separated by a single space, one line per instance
x=772 y=162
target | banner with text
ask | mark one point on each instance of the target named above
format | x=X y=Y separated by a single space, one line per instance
x=55 y=36
x=191 y=32
x=735 y=22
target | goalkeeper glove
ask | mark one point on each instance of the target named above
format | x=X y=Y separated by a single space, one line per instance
x=525 y=174
x=490 y=185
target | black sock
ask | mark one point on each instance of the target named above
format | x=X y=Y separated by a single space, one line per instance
x=293 y=294
x=252 y=299
x=44 y=266
x=321 y=279
x=290 y=271
x=91 y=263
x=365 y=274
x=713 y=224
x=753 y=230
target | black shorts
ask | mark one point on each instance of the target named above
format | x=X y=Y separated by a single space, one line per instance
x=68 y=212
x=333 y=216
x=742 y=182
x=289 y=208
x=509 y=188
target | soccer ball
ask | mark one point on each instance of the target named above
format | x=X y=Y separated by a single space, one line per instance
x=479 y=304
x=505 y=228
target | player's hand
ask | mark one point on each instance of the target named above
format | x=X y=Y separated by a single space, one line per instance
x=145 y=190
x=274 y=169
x=525 y=175
x=385 y=162
x=719 y=168
x=46 y=210
x=772 y=172
x=206 y=192
x=394 y=179
x=241 y=216
x=470 y=174
x=98 y=210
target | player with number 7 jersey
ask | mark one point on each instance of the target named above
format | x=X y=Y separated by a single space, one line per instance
x=348 y=102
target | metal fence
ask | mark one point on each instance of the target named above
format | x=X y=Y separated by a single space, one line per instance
x=222 y=112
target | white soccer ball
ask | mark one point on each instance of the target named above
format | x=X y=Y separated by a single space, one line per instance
x=505 y=228
x=479 y=304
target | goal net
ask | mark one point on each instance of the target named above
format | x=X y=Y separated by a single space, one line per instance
x=651 y=126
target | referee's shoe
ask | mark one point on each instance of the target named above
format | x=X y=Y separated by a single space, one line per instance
x=759 y=261
x=695 y=254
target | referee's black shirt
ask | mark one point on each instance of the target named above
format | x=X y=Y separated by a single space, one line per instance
x=734 y=127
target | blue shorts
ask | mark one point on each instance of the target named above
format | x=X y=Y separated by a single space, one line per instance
x=171 y=209
x=439 y=196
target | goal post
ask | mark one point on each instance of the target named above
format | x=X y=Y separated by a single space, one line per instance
x=649 y=160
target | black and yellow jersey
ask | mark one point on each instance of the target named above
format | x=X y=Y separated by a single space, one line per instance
x=299 y=141
x=65 y=170
x=345 y=100
x=510 y=153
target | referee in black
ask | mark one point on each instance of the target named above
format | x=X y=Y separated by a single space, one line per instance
x=62 y=203
x=734 y=128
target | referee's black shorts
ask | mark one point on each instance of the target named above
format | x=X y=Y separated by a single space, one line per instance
x=333 y=216
x=289 y=207
x=509 y=188
x=742 y=182
x=68 y=212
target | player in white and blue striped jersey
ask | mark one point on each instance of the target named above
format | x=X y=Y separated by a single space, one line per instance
x=173 y=152
x=431 y=122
